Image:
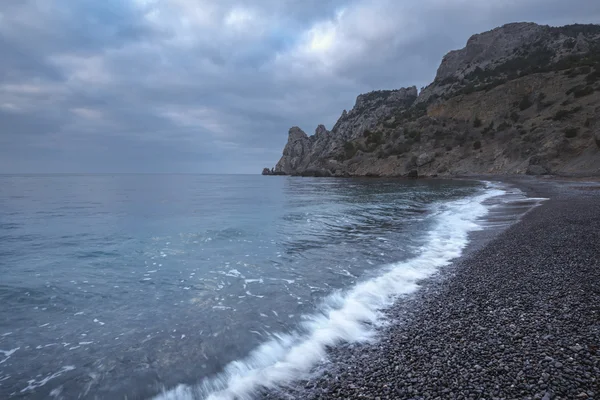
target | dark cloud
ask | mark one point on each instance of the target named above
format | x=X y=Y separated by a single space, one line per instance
x=205 y=86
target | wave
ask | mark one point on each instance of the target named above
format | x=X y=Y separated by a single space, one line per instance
x=347 y=316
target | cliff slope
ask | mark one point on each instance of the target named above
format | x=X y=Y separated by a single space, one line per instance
x=522 y=98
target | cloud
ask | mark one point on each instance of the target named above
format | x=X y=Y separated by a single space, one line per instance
x=206 y=86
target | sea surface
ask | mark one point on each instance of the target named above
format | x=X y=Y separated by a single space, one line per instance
x=208 y=286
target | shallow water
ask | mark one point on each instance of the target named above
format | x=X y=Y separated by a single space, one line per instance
x=125 y=285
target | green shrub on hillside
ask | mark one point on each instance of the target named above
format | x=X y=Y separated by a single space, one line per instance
x=400 y=148
x=375 y=137
x=525 y=103
x=449 y=80
x=417 y=111
x=503 y=126
x=587 y=90
x=489 y=128
x=412 y=134
x=564 y=114
x=571 y=132
x=350 y=150
x=439 y=134
x=574 y=88
x=391 y=124
x=460 y=139
x=377 y=95
x=569 y=44
x=571 y=73
x=593 y=76
x=575 y=29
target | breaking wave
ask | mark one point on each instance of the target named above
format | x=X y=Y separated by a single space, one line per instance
x=347 y=316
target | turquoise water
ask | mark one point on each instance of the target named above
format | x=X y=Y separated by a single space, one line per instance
x=127 y=285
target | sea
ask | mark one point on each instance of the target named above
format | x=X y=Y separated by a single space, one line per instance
x=184 y=287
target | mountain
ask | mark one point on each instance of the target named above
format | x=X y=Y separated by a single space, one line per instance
x=521 y=98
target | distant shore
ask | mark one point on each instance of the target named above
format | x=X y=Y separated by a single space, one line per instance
x=517 y=317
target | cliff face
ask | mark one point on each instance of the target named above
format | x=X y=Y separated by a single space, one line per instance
x=322 y=153
x=522 y=98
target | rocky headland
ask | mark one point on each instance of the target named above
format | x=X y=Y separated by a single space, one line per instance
x=520 y=99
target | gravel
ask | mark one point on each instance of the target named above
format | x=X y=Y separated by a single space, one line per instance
x=518 y=318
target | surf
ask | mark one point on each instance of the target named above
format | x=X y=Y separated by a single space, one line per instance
x=350 y=316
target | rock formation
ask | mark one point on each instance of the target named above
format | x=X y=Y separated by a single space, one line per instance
x=522 y=98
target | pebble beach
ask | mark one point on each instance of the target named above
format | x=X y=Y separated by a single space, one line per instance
x=518 y=317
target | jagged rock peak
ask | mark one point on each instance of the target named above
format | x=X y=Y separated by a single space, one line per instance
x=483 y=48
x=320 y=130
x=294 y=153
x=295 y=133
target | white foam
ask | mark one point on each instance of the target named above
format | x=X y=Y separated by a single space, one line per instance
x=351 y=316
x=289 y=281
x=7 y=354
x=33 y=384
x=234 y=273
x=47 y=345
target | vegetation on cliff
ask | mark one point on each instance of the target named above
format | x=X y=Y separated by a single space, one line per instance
x=522 y=98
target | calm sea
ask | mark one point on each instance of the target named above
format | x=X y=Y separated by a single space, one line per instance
x=202 y=286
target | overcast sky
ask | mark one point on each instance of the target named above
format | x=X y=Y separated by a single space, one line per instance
x=214 y=85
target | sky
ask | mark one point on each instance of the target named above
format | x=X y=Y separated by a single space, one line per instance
x=212 y=86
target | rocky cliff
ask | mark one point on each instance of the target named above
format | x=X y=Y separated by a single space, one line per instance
x=522 y=98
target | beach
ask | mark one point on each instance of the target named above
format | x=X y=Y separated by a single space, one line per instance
x=518 y=317
x=479 y=288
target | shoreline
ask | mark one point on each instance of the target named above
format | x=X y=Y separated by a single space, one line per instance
x=507 y=319
x=475 y=177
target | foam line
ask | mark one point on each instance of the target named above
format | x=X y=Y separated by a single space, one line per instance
x=344 y=316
